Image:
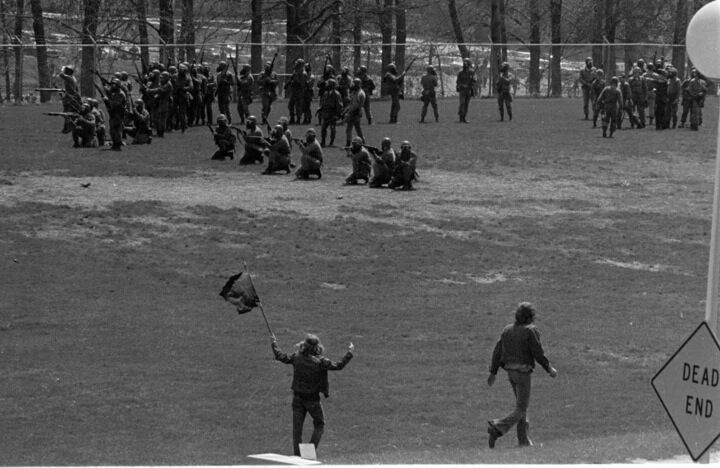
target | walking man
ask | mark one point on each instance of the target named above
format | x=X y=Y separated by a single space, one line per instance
x=429 y=82
x=516 y=351
x=587 y=76
x=465 y=88
x=310 y=379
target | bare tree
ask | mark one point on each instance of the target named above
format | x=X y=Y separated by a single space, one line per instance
x=19 y=15
x=678 y=56
x=256 y=27
x=305 y=20
x=556 y=48
x=336 y=36
x=457 y=29
x=89 y=33
x=386 y=32
x=400 y=34
x=357 y=33
x=41 y=49
x=534 y=70
x=141 y=9
x=5 y=50
x=166 y=30
x=498 y=35
x=187 y=31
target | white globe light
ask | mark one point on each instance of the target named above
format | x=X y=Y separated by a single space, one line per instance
x=703 y=40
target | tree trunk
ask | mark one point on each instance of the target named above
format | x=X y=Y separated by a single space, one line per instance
x=556 y=49
x=19 y=12
x=611 y=22
x=357 y=34
x=5 y=50
x=166 y=31
x=141 y=7
x=336 y=36
x=187 y=30
x=400 y=34
x=89 y=31
x=296 y=32
x=678 y=53
x=597 y=33
x=496 y=56
x=41 y=49
x=457 y=29
x=256 y=57
x=534 y=72
x=386 y=31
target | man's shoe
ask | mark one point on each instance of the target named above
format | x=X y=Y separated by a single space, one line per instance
x=526 y=443
x=494 y=433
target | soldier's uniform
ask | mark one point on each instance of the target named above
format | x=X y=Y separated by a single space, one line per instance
x=267 y=82
x=394 y=84
x=224 y=139
x=140 y=130
x=587 y=76
x=225 y=83
x=597 y=87
x=697 y=88
x=638 y=94
x=245 y=86
x=295 y=89
x=404 y=171
x=162 y=94
x=686 y=102
x=429 y=82
x=308 y=93
x=360 y=157
x=610 y=101
x=627 y=105
x=465 y=87
x=503 y=88
x=353 y=111
x=311 y=160
x=116 y=105
x=331 y=107
x=382 y=165
x=254 y=143
x=368 y=86
x=99 y=121
x=210 y=91
x=279 y=152
x=182 y=97
x=650 y=99
x=344 y=84
x=196 y=111
x=71 y=100
x=84 y=131
x=674 y=91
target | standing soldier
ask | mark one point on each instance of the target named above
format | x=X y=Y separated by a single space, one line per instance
x=674 y=91
x=224 y=139
x=267 y=82
x=627 y=105
x=330 y=109
x=225 y=82
x=597 y=87
x=648 y=76
x=344 y=84
x=182 y=97
x=71 y=95
x=429 y=82
x=465 y=86
x=686 y=101
x=697 y=88
x=382 y=164
x=311 y=160
x=210 y=91
x=99 y=120
x=198 y=91
x=659 y=80
x=353 y=111
x=587 y=76
x=245 y=86
x=610 y=102
x=162 y=94
x=279 y=152
x=294 y=90
x=116 y=106
x=638 y=94
x=307 y=97
x=503 y=88
x=394 y=84
x=368 y=86
x=360 y=157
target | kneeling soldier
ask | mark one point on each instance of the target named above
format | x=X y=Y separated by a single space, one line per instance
x=360 y=162
x=140 y=131
x=312 y=157
x=382 y=164
x=279 y=152
x=404 y=172
x=84 y=130
x=224 y=139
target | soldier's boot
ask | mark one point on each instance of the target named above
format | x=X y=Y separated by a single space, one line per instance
x=502 y=115
x=604 y=128
x=509 y=114
x=522 y=434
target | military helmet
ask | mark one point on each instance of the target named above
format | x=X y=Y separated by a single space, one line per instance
x=252 y=119
x=85 y=107
x=115 y=82
x=386 y=142
x=504 y=66
x=172 y=69
x=310 y=131
x=430 y=69
x=405 y=145
x=221 y=118
x=614 y=80
x=357 y=140
x=283 y=121
x=357 y=81
x=68 y=69
x=362 y=69
x=164 y=74
x=600 y=72
x=93 y=101
x=391 y=66
x=124 y=75
x=117 y=75
x=139 y=101
x=278 y=129
x=331 y=83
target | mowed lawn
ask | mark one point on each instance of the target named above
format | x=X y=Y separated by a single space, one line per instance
x=115 y=348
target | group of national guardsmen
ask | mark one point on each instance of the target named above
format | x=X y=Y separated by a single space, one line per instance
x=654 y=87
x=175 y=97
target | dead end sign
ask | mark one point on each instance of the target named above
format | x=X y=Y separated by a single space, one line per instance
x=688 y=386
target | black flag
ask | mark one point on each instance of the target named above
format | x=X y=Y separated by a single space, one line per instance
x=240 y=292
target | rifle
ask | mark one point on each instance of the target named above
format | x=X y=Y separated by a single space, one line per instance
x=139 y=75
x=100 y=90
x=63 y=114
x=327 y=59
x=54 y=90
x=232 y=62
x=267 y=125
x=299 y=141
x=371 y=149
x=103 y=80
x=410 y=65
x=211 y=128
x=272 y=64
x=202 y=55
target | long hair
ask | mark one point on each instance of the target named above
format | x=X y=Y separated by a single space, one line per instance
x=311 y=346
x=524 y=314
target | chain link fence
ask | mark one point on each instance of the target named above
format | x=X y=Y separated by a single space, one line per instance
x=444 y=57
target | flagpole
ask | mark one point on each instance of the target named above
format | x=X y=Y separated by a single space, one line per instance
x=262 y=311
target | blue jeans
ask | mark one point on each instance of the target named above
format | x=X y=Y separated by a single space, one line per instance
x=520 y=382
x=301 y=406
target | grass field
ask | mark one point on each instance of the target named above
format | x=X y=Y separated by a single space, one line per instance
x=115 y=347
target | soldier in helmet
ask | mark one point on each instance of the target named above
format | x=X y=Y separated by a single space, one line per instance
x=267 y=83
x=254 y=142
x=71 y=96
x=140 y=130
x=674 y=92
x=587 y=76
x=245 y=86
x=429 y=82
x=99 y=120
x=610 y=102
x=368 y=86
x=225 y=83
x=311 y=160
x=638 y=94
x=294 y=90
x=84 y=130
x=331 y=107
x=182 y=97
x=210 y=91
x=360 y=157
x=116 y=105
x=344 y=83
x=162 y=96
x=394 y=83
x=404 y=172
x=465 y=86
x=278 y=152
x=597 y=87
x=383 y=164
x=224 y=139
x=503 y=88
x=352 y=113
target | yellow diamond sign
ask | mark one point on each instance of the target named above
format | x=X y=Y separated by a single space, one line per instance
x=688 y=386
